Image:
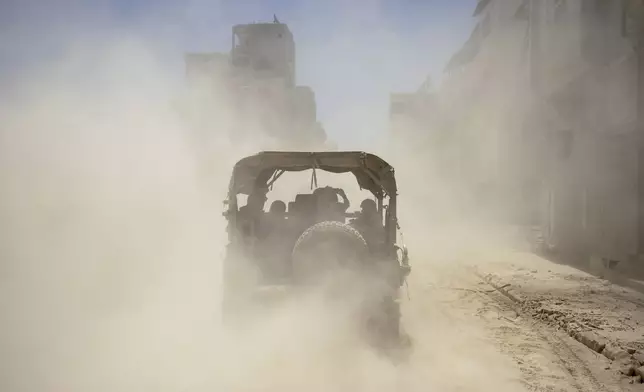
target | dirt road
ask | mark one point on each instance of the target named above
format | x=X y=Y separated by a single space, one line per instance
x=466 y=337
x=469 y=336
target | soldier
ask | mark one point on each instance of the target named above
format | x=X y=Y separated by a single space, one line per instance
x=275 y=221
x=275 y=247
x=328 y=207
x=278 y=209
x=369 y=223
x=251 y=213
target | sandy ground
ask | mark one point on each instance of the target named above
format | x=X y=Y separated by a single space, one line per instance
x=611 y=310
x=465 y=337
x=469 y=336
x=472 y=338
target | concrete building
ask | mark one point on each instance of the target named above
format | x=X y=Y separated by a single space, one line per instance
x=584 y=78
x=546 y=97
x=250 y=95
x=416 y=128
x=483 y=98
x=411 y=116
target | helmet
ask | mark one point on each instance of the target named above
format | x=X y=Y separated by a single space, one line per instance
x=278 y=206
x=368 y=205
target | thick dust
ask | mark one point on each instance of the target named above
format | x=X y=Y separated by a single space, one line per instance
x=111 y=246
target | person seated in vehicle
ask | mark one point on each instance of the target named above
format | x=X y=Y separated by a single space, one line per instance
x=369 y=223
x=274 y=221
x=328 y=207
x=274 y=246
x=278 y=209
x=250 y=214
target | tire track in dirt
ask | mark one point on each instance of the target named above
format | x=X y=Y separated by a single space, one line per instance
x=545 y=359
x=569 y=354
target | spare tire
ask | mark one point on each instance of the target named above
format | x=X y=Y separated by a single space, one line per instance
x=327 y=247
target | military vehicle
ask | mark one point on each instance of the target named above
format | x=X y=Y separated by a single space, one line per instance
x=315 y=240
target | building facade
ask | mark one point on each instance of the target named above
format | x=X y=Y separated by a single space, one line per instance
x=483 y=98
x=547 y=98
x=417 y=129
x=250 y=95
x=585 y=72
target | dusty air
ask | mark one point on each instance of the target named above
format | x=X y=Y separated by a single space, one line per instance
x=365 y=196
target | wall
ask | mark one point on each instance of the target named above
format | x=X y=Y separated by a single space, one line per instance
x=485 y=99
x=586 y=98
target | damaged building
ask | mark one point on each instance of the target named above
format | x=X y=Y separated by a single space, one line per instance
x=250 y=93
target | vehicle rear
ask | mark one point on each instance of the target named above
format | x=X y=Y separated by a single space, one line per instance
x=315 y=249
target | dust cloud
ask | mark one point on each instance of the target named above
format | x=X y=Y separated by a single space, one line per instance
x=111 y=244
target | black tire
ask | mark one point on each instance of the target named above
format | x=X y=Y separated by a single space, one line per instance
x=317 y=252
x=326 y=246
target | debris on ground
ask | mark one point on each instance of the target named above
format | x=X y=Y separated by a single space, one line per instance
x=606 y=318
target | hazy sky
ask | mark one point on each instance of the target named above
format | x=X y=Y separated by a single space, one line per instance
x=352 y=52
